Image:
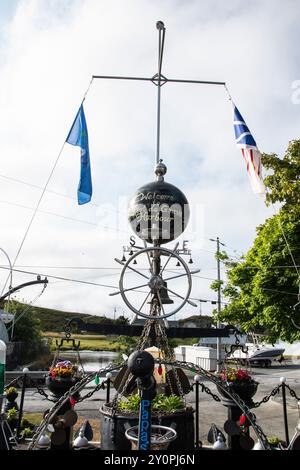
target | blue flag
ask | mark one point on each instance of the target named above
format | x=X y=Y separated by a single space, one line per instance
x=78 y=136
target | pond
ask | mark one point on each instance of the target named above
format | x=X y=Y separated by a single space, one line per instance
x=92 y=360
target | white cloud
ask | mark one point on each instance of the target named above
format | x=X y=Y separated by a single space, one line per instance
x=50 y=51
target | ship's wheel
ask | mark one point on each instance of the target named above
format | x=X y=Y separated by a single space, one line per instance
x=160 y=277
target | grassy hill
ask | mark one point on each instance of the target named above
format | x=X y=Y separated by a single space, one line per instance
x=54 y=320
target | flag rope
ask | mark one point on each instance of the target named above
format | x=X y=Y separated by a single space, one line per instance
x=43 y=193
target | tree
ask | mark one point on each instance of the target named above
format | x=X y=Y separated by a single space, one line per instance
x=263 y=286
x=27 y=330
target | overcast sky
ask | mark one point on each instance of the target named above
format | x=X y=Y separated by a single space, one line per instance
x=49 y=51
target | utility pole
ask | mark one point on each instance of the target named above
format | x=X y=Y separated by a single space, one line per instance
x=219 y=298
x=200 y=302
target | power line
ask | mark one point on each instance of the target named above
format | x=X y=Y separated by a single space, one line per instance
x=22 y=206
x=67 y=196
x=43 y=192
x=61 y=278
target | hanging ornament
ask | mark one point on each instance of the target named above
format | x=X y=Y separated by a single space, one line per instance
x=160 y=369
x=97 y=380
x=72 y=402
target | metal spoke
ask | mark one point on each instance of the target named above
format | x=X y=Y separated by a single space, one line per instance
x=132 y=269
x=148 y=256
x=181 y=275
x=161 y=304
x=171 y=256
x=144 y=301
x=126 y=290
x=180 y=296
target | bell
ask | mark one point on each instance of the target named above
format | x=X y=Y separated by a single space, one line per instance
x=165 y=299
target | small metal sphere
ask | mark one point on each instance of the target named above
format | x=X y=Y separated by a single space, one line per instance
x=197 y=378
x=160 y=25
x=108 y=375
x=160 y=170
x=25 y=370
x=282 y=380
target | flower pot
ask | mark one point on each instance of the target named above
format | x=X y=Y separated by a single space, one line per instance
x=59 y=386
x=12 y=397
x=114 y=425
x=13 y=423
x=243 y=389
x=11 y=405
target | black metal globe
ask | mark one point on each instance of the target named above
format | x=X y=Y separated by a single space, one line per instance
x=158 y=212
x=140 y=363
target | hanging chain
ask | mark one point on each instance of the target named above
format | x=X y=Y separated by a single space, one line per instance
x=206 y=389
x=274 y=392
x=292 y=392
x=75 y=389
x=239 y=402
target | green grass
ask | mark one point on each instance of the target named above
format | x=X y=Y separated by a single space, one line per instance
x=104 y=343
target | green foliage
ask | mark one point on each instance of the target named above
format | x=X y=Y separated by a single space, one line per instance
x=131 y=403
x=284 y=182
x=11 y=391
x=25 y=423
x=169 y=404
x=161 y=402
x=263 y=286
x=12 y=414
x=54 y=320
x=27 y=329
x=27 y=432
x=127 y=344
x=273 y=440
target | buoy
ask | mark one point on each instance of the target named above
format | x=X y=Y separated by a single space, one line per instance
x=81 y=440
x=219 y=444
x=258 y=446
x=44 y=440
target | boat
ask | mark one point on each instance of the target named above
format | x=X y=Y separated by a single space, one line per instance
x=254 y=351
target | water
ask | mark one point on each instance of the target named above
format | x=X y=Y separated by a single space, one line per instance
x=92 y=360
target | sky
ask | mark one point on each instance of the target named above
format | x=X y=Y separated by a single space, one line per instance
x=49 y=51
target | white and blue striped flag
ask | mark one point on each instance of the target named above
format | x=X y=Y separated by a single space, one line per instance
x=252 y=156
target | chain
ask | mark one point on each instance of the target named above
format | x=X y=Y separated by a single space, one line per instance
x=42 y=392
x=207 y=390
x=292 y=392
x=239 y=402
x=14 y=382
x=92 y=392
x=169 y=355
x=62 y=400
x=274 y=392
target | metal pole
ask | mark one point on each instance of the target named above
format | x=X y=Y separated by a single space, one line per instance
x=154 y=80
x=161 y=27
x=285 y=418
x=219 y=305
x=197 y=379
x=22 y=401
x=108 y=377
x=219 y=300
